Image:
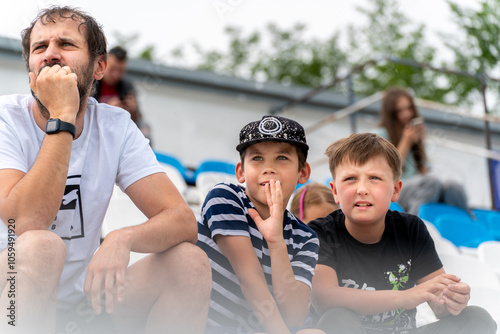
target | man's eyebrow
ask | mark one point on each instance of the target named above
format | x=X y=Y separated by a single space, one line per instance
x=67 y=39
x=60 y=39
x=38 y=43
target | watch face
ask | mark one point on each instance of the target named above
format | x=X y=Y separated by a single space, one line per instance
x=52 y=125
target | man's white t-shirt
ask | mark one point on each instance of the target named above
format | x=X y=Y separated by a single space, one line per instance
x=110 y=149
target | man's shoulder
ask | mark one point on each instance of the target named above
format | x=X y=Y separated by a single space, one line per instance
x=14 y=100
x=15 y=109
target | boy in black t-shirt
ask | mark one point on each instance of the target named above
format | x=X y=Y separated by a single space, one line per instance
x=376 y=266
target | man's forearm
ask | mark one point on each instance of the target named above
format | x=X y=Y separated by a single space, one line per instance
x=34 y=199
x=163 y=231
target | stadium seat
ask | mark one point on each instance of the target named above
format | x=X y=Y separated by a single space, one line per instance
x=212 y=172
x=186 y=173
x=462 y=230
x=484 y=214
x=396 y=207
x=490 y=219
x=489 y=253
x=470 y=270
x=494 y=224
x=431 y=211
x=442 y=245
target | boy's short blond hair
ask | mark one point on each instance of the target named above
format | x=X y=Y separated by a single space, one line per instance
x=359 y=148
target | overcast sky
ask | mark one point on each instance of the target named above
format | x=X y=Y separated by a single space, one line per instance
x=168 y=24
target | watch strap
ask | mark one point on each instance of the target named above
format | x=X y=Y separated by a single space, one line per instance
x=60 y=126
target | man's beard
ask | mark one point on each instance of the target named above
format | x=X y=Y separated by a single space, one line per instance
x=85 y=80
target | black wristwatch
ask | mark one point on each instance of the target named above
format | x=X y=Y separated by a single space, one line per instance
x=55 y=125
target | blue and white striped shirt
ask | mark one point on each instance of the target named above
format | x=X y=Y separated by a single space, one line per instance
x=225 y=212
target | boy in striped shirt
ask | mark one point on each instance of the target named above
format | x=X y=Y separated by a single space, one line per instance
x=262 y=256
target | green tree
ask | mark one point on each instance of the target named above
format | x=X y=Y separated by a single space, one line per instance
x=476 y=50
x=283 y=56
x=390 y=33
x=287 y=57
x=128 y=41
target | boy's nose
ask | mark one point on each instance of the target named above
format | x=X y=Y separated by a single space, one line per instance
x=269 y=170
x=362 y=190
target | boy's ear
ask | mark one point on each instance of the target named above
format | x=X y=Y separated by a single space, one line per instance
x=304 y=173
x=100 y=67
x=397 y=190
x=239 y=173
x=334 y=191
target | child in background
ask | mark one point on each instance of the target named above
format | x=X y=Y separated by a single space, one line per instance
x=312 y=201
x=262 y=256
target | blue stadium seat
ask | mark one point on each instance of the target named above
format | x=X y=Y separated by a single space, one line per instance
x=494 y=224
x=327 y=181
x=396 y=207
x=186 y=173
x=212 y=172
x=483 y=214
x=431 y=211
x=301 y=184
x=216 y=166
x=462 y=230
x=490 y=219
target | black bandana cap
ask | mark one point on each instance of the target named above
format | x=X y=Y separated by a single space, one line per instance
x=273 y=128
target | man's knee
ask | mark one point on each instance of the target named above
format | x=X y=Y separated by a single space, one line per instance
x=43 y=247
x=187 y=264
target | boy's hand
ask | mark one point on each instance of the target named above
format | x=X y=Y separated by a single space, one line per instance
x=271 y=228
x=456 y=296
x=430 y=291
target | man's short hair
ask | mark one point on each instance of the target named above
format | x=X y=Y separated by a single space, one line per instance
x=359 y=148
x=119 y=53
x=92 y=30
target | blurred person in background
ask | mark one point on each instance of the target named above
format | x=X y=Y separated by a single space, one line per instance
x=115 y=90
x=401 y=124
